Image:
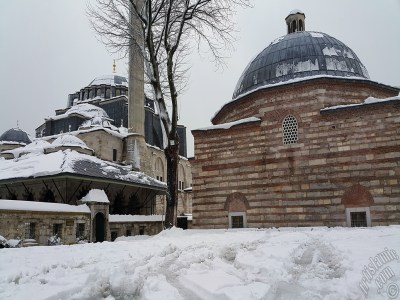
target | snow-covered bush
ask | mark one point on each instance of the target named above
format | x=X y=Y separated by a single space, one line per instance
x=82 y=240
x=14 y=243
x=54 y=240
x=3 y=242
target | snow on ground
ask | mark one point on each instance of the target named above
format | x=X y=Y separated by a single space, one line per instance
x=290 y=263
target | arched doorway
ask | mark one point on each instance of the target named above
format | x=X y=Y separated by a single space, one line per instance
x=99 y=221
x=236 y=204
x=357 y=200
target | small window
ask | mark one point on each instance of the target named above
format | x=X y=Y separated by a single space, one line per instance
x=181 y=185
x=57 y=229
x=358 y=219
x=128 y=232
x=80 y=230
x=30 y=230
x=114 y=154
x=114 y=236
x=237 y=221
x=290 y=130
x=141 y=230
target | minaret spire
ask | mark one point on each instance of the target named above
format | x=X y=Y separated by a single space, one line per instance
x=114 y=67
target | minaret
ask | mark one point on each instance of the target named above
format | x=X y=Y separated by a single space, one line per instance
x=137 y=152
x=295 y=21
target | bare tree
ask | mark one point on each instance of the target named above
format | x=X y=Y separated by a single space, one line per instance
x=165 y=31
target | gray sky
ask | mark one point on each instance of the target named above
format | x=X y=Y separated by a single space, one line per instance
x=48 y=50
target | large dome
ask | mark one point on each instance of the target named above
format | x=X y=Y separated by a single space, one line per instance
x=300 y=55
x=112 y=80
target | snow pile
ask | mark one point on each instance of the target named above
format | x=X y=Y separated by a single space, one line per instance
x=86 y=110
x=300 y=263
x=42 y=206
x=69 y=140
x=135 y=218
x=230 y=124
x=37 y=146
x=95 y=195
x=369 y=100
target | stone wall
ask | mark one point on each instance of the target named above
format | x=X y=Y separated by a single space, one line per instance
x=103 y=144
x=301 y=184
x=118 y=229
x=12 y=225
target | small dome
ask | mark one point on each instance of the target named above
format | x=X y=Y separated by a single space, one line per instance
x=97 y=122
x=15 y=135
x=300 y=55
x=87 y=110
x=112 y=80
x=69 y=140
x=295 y=12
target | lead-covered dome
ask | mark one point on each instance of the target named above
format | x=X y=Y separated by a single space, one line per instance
x=15 y=135
x=111 y=80
x=299 y=55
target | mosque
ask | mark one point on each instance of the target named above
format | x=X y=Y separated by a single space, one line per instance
x=93 y=171
x=308 y=139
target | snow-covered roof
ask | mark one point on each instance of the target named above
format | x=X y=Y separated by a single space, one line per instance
x=97 y=122
x=37 y=146
x=296 y=11
x=96 y=195
x=85 y=110
x=135 y=218
x=42 y=206
x=230 y=124
x=71 y=162
x=112 y=80
x=69 y=140
x=368 y=101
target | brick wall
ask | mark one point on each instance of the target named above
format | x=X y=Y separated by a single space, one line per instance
x=300 y=184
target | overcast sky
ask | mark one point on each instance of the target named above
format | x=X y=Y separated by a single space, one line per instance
x=48 y=50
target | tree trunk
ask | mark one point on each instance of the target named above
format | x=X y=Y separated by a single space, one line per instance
x=172 y=157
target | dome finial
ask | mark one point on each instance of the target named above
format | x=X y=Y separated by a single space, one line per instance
x=114 y=67
x=295 y=21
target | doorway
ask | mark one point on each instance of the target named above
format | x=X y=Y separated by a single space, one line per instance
x=99 y=227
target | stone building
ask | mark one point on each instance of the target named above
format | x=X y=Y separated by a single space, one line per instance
x=91 y=145
x=308 y=139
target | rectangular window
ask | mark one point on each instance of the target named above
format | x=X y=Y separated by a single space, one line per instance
x=57 y=229
x=358 y=219
x=30 y=230
x=114 y=236
x=80 y=230
x=237 y=221
x=128 y=232
x=141 y=230
x=114 y=154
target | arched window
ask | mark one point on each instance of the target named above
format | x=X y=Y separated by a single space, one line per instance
x=181 y=178
x=294 y=26
x=159 y=169
x=301 y=25
x=290 y=130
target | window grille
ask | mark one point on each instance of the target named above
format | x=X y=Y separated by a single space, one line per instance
x=80 y=230
x=237 y=221
x=290 y=130
x=57 y=229
x=30 y=230
x=358 y=219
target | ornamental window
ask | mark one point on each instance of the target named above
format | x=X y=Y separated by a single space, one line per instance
x=290 y=130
